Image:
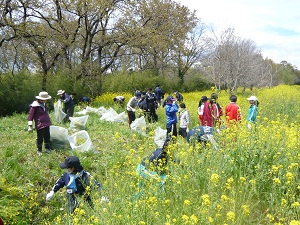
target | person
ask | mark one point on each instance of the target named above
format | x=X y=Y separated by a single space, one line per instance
x=151 y=106
x=68 y=103
x=39 y=114
x=217 y=110
x=233 y=112
x=158 y=94
x=119 y=100
x=252 y=110
x=184 y=120
x=178 y=96
x=208 y=114
x=171 y=109
x=202 y=134
x=131 y=105
x=154 y=166
x=77 y=181
x=201 y=104
x=86 y=100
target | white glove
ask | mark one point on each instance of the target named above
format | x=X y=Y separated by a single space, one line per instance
x=187 y=130
x=249 y=125
x=49 y=195
x=30 y=128
x=133 y=110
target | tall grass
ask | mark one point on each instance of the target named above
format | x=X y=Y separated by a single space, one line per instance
x=252 y=179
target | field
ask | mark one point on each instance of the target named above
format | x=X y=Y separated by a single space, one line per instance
x=253 y=178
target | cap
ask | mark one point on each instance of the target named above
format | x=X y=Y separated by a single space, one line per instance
x=252 y=98
x=204 y=98
x=71 y=161
x=170 y=98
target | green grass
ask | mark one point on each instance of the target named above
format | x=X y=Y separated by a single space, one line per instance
x=252 y=179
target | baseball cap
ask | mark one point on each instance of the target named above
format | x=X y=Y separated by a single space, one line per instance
x=71 y=161
x=170 y=98
x=252 y=98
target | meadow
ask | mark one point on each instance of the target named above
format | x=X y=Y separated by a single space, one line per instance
x=253 y=178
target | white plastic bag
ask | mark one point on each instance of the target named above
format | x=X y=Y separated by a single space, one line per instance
x=81 y=141
x=59 y=115
x=160 y=136
x=59 y=136
x=78 y=123
x=139 y=125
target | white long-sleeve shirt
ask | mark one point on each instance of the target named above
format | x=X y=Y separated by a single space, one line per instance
x=184 y=118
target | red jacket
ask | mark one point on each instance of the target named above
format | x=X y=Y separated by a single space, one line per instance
x=233 y=113
x=207 y=119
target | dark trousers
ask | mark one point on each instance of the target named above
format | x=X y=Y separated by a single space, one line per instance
x=182 y=132
x=131 y=117
x=152 y=116
x=172 y=130
x=43 y=135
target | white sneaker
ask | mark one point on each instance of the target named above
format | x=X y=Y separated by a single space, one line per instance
x=39 y=153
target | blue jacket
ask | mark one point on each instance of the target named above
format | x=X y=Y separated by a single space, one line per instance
x=171 y=110
x=82 y=181
x=252 y=113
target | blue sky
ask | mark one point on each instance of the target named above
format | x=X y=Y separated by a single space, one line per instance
x=274 y=25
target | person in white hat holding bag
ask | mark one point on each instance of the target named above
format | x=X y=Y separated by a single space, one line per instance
x=39 y=114
x=252 y=113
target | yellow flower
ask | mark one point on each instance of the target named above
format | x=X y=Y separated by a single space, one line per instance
x=187 y=202
x=230 y=216
x=214 y=178
x=246 y=210
x=205 y=199
x=276 y=180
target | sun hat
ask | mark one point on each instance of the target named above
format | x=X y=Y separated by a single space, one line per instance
x=252 y=98
x=71 y=161
x=60 y=92
x=170 y=98
x=43 y=96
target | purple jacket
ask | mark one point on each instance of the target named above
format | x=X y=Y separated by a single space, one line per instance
x=39 y=114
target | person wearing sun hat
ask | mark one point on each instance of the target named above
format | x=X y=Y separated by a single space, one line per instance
x=252 y=112
x=39 y=114
x=68 y=103
x=76 y=180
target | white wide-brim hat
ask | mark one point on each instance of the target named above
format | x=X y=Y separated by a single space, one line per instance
x=43 y=96
x=60 y=92
x=252 y=98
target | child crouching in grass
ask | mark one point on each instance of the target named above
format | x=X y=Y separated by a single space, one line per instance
x=77 y=182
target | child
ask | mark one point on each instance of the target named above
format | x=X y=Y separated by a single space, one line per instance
x=76 y=181
x=201 y=134
x=252 y=110
x=38 y=112
x=201 y=104
x=184 y=120
x=233 y=112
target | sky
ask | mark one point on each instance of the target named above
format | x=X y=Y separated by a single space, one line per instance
x=274 y=25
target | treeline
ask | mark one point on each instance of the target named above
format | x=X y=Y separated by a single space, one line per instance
x=91 y=47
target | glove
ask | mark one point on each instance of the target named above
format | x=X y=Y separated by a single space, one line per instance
x=49 y=195
x=187 y=130
x=30 y=128
x=133 y=110
x=249 y=125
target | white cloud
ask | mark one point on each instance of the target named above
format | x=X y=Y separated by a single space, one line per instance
x=274 y=25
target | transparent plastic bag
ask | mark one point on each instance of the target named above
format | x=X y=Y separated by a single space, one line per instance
x=59 y=136
x=139 y=125
x=81 y=141
x=78 y=123
x=59 y=114
x=160 y=136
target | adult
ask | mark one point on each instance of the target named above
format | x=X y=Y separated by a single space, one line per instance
x=151 y=106
x=68 y=103
x=184 y=120
x=252 y=112
x=119 y=100
x=39 y=114
x=178 y=96
x=131 y=106
x=158 y=94
x=233 y=112
x=171 y=109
